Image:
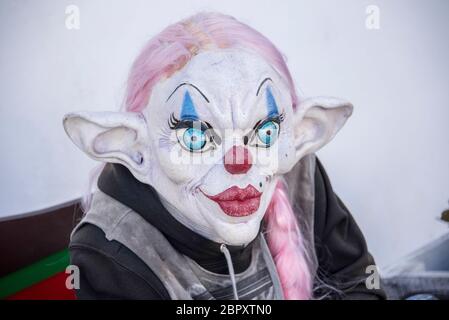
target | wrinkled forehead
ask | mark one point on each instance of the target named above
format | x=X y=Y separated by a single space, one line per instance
x=224 y=86
x=232 y=70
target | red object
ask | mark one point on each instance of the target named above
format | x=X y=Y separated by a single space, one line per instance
x=237 y=160
x=53 y=288
x=238 y=202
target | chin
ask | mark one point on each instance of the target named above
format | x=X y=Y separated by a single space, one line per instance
x=238 y=234
x=234 y=230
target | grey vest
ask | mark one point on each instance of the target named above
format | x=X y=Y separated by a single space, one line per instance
x=182 y=277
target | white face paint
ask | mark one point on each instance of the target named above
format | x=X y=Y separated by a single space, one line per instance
x=221 y=102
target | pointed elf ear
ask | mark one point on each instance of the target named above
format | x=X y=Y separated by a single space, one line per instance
x=118 y=137
x=317 y=121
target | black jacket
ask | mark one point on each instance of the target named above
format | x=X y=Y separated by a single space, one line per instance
x=109 y=270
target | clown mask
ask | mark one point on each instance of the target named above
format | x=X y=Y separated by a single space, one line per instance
x=213 y=140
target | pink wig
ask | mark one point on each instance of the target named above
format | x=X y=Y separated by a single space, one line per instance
x=171 y=49
x=168 y=52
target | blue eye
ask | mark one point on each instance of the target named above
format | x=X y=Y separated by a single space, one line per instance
x=194 y=139
x=268 y=133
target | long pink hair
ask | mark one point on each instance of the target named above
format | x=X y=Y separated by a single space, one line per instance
x=168 y=52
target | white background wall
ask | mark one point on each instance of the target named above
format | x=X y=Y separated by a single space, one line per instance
x=390 y=164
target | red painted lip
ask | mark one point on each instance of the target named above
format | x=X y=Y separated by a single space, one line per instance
x=236 y=202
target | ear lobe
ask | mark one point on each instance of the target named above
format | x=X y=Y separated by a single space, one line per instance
x=317 y=121
x=118 y=137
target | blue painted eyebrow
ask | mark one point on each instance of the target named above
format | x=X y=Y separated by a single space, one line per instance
x=188 y=111
x=272 y=107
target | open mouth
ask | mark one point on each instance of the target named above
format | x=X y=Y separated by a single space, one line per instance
x=238 y=202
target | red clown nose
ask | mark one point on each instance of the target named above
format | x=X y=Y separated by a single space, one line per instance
x=237 y=160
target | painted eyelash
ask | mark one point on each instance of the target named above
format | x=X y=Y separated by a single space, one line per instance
x=281 y=117
x=278 y=118
x=173 y=123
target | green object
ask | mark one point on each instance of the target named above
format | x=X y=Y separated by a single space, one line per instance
x=34 y=273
